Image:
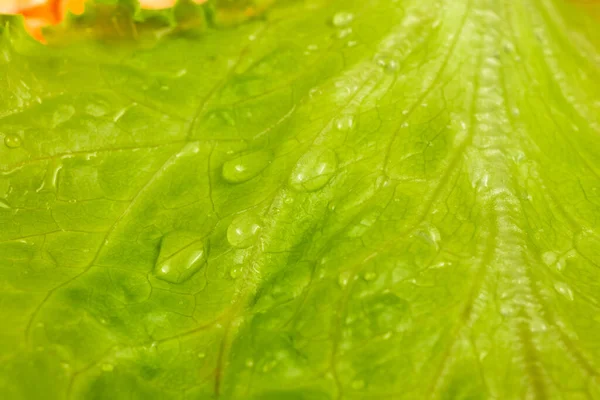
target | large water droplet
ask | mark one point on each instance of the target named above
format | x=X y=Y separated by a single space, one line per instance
x=314 y=170
x=342 y=18
x=182 y=254
x=246 y=166
x=243 y=230
x=12 y=141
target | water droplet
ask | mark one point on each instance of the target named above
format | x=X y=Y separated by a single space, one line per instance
x=249 y=363
x=351 y=43
x=370 y=276
x=549 y=257
x=314 y=170
x=12 y=141
x=342 y=33
x=201 y=355
x=344 y=278
x=342 y=18
x=507 y=310
x=246 y=166
x=538 y=326
x=314 y=92
x=387 y=63
x=382 y=181
x=345 y=123
x=518 y=157
x=358 y=384
x=564 y=289
x=182 y=254
x=384 y=312
x=107 y=367
x=269 y=366
x=4 y=204
x=97 y=108
x=235 y=272
x=431 y=234
x=243 y=230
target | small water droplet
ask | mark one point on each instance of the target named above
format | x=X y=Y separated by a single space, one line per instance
x=107 y=367
x=243 y=230
x=351 y=43
x=12 y=141
x=314 y=92
x=564 y=289
x=97 y=109
x=518 y=157
x=382 y=181
x=538 y=326
x=344 y=278
x=342 y=33
x=342 y=18
x=245 y=167
x=313 y=170
x=549 y=257
x=202 y=355
x=182 y=254
x=358 y=384
x=235 y=272
x=370 y=276
x=249 y=363
x=345 y=123
x=387 y=63
x=560 y=264
x=269 y=366
x=507 y=310
x=431 y=234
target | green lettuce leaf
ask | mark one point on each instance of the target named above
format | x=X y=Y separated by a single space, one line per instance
x=368 y=199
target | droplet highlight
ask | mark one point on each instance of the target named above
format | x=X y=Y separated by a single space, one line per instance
x=243 y=230
x=12 y=141
x=245 y=167
x=314 y=170
x=182 y=254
